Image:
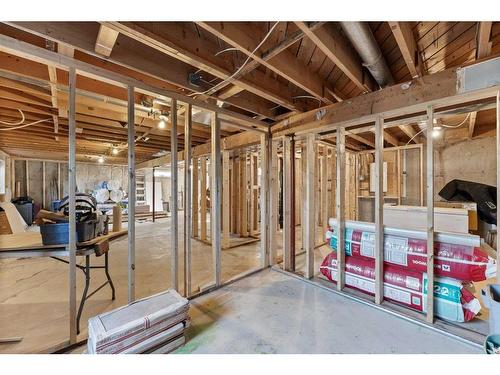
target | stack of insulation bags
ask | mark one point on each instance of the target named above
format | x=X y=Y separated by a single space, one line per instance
x=153 y=325
x=458 y=261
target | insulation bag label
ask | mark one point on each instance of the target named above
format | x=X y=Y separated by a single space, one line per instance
x=409 y=288
x=466 y=263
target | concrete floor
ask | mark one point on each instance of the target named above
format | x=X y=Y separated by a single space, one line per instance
x=34 y=303
x=271 y=312
x=34 y=292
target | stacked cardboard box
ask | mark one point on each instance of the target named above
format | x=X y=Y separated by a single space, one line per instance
x=155 y=324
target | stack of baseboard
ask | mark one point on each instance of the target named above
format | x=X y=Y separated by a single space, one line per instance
x=155 y=324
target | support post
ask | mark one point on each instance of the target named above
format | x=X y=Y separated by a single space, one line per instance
x=264 y=199
x=174 y=193
x=225 y=200
x=430 y=216
x=340 y=204
x=131 y=193
x=309 y=206
x=72 y=205
x=203 y=198
x=379 y=211
x=215 y=196
x=187 y=200
x=273 y=203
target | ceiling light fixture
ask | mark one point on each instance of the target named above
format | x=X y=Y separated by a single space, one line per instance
x=162 y=124
x=100 y=159
x=115 y=151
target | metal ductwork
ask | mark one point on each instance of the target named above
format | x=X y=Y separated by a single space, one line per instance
x=361 y=37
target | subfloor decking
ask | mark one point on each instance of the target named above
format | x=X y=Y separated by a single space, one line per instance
x=270 y=312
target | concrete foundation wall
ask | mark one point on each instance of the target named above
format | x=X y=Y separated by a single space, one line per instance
x=471 y=160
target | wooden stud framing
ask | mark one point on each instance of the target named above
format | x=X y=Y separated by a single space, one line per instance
x=131 y=193
x=215 y=197
x=303 y=192
x=225 y=201
x=287 y=204
x=174 y=196
x=72 y=205
x=195 y=199
x=251 y=178
x=340 y=210
x=430 y=216
x=203 y=198
x=324 y=188
x=273 y=203
x=188 y=224
x=379 y=211
x=265 y=150
x=243 y=195
x=309 y=206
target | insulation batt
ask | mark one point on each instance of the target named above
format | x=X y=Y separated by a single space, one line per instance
x=409 y=288
x=462 y=262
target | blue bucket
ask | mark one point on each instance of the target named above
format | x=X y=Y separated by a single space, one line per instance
x=55 y=234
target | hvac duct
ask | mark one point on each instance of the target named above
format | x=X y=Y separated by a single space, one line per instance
x=361 y=37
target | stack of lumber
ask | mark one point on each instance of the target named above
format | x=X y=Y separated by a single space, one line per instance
x=459 y=259
x=155 y=325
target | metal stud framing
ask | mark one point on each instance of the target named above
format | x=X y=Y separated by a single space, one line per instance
x=132 y=193
x=72 y=205
x=430 y=216
x=340 y=198
x=379 y=210
x=215 y=197
x=174 y=193
x=188 y=229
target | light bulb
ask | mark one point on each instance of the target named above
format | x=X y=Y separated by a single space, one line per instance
x=436 y=132
x=100 y=159
x=162 y=124
x=115 y=151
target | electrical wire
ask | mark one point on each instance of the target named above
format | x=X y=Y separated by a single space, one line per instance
x=25 y=125
x=242 y=66
x=443 y=125
x=15 y=123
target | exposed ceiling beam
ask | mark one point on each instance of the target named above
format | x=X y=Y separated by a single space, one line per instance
x=391 y=139
x=129 y=57
x=269 y=54
x=369 y=106
x=187 y=46
x=483 y=39
x=410 y=132
x=106 y=39
x=408 y=46
x=43 y=56
x=331 y=42
x=361 y=139
x=284 y=63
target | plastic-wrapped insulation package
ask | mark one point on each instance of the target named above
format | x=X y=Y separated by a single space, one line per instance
x=406 y=287
x=455 y=255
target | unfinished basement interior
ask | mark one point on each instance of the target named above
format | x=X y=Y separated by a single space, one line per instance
x=249 y=187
